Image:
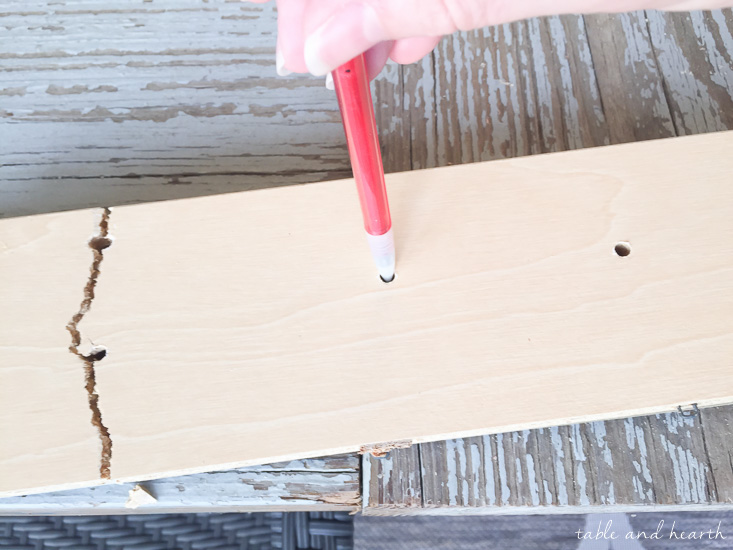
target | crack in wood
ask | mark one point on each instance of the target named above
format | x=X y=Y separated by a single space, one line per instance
x=97 y=243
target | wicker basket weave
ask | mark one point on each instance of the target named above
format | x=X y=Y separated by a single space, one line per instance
x=257 y=531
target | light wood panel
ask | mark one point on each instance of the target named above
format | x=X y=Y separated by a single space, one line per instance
x=46 y=433
x=250 y=328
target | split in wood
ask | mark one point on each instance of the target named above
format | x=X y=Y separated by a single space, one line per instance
x=97 y=243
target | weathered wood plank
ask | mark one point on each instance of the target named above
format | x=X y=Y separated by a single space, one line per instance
x=419 y=101
x=694 y=55
x=150 y=101
x=318 y=484
x=395 y=479
x=392 y=124
x=717 y=430
x=495 y=98
x=653 y=460
x=629 y=82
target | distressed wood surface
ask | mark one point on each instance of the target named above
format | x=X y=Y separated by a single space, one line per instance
x=661 y=460
x=139 y=101
x=317 y=484
x=135 y=101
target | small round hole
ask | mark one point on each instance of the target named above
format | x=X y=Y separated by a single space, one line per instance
x=97 y=353
x=100 y=243
x=622 y=249
x=348 y=70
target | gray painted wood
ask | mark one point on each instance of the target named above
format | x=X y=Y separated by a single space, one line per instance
x=662 y=460
x=319 y=484
x=396 y=480
x=630 y=84
x=693 y=53
x=115 y=103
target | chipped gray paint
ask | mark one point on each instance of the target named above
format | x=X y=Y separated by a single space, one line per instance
x=314 y=484
x=119 y=104
x=505 y=492
x=646 y=461
x=700 y=88
x=557 y=443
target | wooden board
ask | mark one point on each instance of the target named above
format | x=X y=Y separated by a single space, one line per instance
x=45 y=430
x=676 y=459
x=235 y=336
x=108 y=103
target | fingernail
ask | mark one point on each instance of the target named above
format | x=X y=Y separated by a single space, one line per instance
x=280 y=64
x=355 y=25
x=312 y=51
x=329 y=82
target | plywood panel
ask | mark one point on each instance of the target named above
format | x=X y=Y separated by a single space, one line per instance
x=47 y=437
x=250 y=328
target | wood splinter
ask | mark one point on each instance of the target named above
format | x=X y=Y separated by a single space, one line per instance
x=380 y=450
x=139 y=496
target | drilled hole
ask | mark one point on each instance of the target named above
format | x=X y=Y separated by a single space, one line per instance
x=622 y=249
x=97 y=353
x=348 y=70
x=100 y=243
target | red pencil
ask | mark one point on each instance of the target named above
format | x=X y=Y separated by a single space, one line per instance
x=357 y=112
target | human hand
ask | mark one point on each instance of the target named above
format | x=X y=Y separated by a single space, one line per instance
x=317 y=36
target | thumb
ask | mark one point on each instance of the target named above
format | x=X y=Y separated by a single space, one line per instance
x=356 y=26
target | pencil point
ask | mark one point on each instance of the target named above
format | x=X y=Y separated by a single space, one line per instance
x=383 y=252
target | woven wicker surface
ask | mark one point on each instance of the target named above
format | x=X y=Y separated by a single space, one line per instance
x=263 y=531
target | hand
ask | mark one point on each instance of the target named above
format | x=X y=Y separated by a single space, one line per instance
x=317 y=36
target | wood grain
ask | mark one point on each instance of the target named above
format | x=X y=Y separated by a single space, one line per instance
x=520 y=305
x=142 y=101
x=630 y=85
x=693 y=52
x=666 y=460
x=45 y=420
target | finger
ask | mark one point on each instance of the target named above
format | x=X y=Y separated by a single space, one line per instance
x=290 y=36
x=353 y=26
x=356 y=26
x=409 y=50
x=376 y=58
